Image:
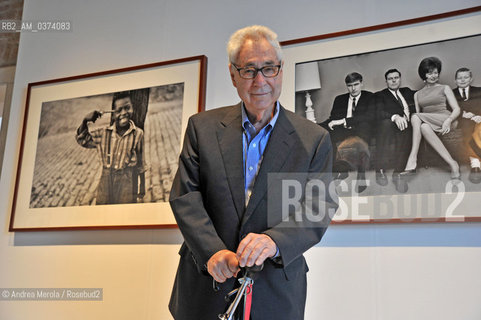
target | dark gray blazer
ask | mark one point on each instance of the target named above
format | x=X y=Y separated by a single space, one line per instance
x=473 y=104
x=207 y=199
x=387 y=105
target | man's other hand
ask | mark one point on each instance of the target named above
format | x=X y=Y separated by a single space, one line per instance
x=476 y=119
x=468 y=115
x=223 y=265
x=334 y=123
x=255 y=249
x=401 y=122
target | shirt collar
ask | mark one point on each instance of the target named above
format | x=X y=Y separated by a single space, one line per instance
x=356 y=97
x=393 y=91
x=246 y=122
x=131 y=127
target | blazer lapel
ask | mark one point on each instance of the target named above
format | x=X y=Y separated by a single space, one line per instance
x=276 y=153
x=345 y=103
x=229 y=137
x=456 y=93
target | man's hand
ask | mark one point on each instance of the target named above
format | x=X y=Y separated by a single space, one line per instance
x=476 y=119
x=334 y=123
x=467 y=115
x=223 y=265
x=255 y=249
x=92 y=116
x=401 y=122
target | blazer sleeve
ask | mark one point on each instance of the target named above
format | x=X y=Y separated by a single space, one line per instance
x=338 y=111
x=187 y=204
x=301 y=234
x=339 y=108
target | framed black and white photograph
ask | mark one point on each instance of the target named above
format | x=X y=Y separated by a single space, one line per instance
x=101 y=150
x=318 y=71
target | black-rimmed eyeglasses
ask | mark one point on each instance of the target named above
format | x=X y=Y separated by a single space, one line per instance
x=251 y=72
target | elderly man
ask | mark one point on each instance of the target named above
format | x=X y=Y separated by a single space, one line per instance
x=220 y=193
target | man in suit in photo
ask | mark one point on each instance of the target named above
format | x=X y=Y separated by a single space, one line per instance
x=220 y=193
x=351 y=116
x=351 y=112
x=469 y=99
x=394 y=105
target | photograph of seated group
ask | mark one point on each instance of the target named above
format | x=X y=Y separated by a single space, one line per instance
x=406 y=118
x=403 y=116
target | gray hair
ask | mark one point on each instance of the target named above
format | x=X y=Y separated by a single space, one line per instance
x=255 y=32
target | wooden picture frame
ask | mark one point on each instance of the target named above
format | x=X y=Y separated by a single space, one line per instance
x=57 y=179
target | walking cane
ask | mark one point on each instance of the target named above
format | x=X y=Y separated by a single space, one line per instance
x=243 y=292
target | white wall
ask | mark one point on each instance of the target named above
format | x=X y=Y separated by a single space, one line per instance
x=408 y=271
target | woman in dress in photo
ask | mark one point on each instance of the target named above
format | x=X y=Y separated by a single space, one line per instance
x=432 y=116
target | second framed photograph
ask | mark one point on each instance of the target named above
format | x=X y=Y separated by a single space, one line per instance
x=384 y=93
x=101 y=150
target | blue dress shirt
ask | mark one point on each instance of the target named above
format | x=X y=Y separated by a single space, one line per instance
x=254 y=146
x=253 y=151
